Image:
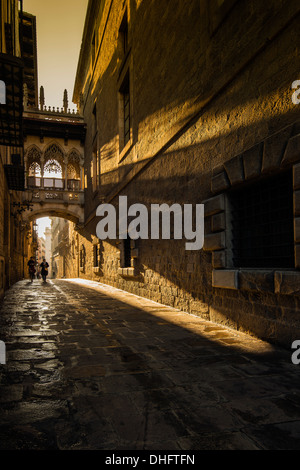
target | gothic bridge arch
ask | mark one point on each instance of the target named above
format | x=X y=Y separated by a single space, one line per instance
x=74 y=214
x=54 y=182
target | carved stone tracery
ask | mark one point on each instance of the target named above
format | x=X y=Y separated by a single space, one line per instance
x=53 y=162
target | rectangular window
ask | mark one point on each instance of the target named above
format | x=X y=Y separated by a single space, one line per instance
x=8 y=38
x=262 y=223
x=126 y=116
x=127 y=252
x=125 y=112
x=96 y=264
x=123 y=34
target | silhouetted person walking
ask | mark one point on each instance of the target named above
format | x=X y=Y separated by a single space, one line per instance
x=44 y=266
x=31 y=267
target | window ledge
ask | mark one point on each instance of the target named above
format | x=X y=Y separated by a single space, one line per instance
x=275 y=281
x=123 y=153
x=225 y=278
x=127 y=272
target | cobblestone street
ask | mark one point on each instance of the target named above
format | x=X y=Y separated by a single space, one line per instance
x=92 y=367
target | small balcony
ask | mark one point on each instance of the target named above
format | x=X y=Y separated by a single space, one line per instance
x=38 y=182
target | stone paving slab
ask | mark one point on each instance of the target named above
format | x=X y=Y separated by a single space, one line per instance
x=90 y=367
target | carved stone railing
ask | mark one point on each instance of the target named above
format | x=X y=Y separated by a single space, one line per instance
x=61 y=196
x=50 y=183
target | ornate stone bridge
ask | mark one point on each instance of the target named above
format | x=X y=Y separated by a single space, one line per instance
x=53 y=162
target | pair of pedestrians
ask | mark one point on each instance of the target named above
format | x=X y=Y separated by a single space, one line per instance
x=44 y=268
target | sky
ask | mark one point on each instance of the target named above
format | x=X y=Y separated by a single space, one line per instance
x=59 y=32
x=59 y=26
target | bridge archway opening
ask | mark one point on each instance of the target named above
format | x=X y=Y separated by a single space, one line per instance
x=50 y=236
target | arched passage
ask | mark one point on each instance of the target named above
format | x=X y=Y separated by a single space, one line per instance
x=52 y=236
x=71 y=215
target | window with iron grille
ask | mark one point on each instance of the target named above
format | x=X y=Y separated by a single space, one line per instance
x=262 y=224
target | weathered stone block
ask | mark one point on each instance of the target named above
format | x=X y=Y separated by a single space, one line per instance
x=235 y=170
x=225 y=278
x=292 y=152
x=218 y=222
x=214 y=241
x=217 y=169
x=274 y=148
x=199 y=308
x=252 y=159
x=219 y=182
x=219 y=259
x=214 y=205
x=257 y=281
x=286 y=282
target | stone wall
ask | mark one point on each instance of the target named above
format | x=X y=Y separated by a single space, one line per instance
x=206 y=88
x=13 y=234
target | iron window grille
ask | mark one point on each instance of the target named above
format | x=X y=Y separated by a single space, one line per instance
x=262 y=224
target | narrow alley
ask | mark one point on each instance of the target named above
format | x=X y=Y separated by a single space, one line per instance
x=91 y=367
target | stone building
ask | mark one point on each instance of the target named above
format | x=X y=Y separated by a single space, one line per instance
x=48 y=252
x=192 y=102
x=41 y=148
x=53 y=151
x=41 y=249
x=14 y=247
x=61 y=255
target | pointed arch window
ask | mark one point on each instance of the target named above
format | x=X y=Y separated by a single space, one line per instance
x=33 y=155
x=54 y=153
x=34 y=169
x=72 y=172
x=53 y=168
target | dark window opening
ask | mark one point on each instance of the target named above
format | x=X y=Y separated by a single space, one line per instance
x=123 y=33
x=125 y=92
x=126 y=118
x=96 y=254
x=127 y=252
x=262 y=224
x=8 y=38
